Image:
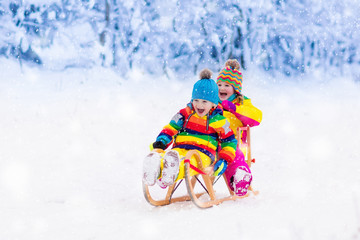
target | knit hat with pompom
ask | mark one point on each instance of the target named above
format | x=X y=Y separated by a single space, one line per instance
x=206 y=88
x=231 y=74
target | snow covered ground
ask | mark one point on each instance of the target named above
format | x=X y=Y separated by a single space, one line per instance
x=72 y=144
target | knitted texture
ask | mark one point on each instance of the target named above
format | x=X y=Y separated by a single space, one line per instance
x=232 y=77
x=206 y=89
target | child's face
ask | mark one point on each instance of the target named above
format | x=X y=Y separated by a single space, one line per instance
x=225 y=90
x=202 y=107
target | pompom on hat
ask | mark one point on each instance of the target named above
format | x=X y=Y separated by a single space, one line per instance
x=206 y=88
x=232 y=75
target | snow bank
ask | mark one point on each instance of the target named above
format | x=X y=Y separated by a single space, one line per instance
x=72 y=145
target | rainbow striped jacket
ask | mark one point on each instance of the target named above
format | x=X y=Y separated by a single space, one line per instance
x=188 y=131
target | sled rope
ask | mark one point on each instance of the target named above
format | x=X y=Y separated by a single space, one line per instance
x=175 y=189
x=217 y=179
x=202 y=184
x=197 y=170
x=193 y=167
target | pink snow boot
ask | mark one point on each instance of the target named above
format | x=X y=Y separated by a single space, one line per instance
x=238 y=174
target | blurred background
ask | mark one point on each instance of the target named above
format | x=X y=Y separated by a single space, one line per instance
x=286 y=37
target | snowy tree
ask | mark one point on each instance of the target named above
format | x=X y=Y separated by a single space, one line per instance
x=290 y=37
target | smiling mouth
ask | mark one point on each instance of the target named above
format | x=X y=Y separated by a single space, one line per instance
x=223 y=94
x=200 y=110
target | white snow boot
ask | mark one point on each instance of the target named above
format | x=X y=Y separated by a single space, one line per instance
x=151 y=168
x=160 y=183
x=171 y=167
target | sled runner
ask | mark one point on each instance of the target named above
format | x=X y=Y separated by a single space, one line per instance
x=206 y=182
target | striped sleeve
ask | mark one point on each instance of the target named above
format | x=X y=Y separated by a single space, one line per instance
x=171 y=129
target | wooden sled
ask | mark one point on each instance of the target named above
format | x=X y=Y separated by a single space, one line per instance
x=207 y=182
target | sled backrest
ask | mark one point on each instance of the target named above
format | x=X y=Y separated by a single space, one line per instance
x=244 y=143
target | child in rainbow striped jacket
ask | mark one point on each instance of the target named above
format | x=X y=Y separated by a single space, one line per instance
x=200 y=126
x=240 y=112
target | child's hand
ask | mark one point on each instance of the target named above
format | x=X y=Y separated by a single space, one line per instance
x=220 y=167
x=228 y=106
x=159 y=144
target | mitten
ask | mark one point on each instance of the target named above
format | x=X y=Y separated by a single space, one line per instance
x=228 y=106
x=159 y=144
x=220 y=167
